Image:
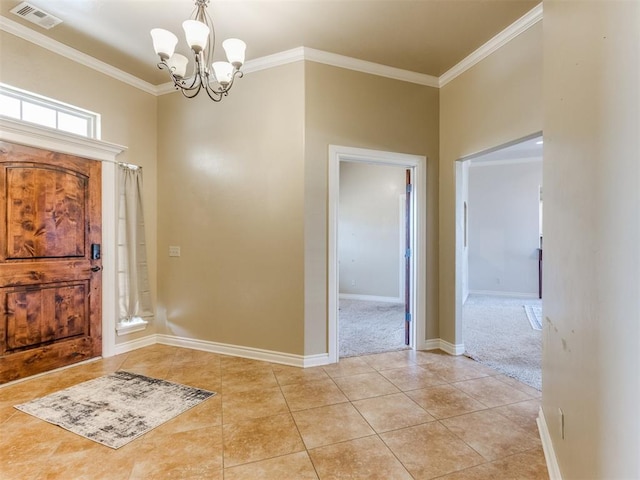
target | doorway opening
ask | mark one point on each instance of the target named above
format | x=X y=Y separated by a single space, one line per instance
x=499 y=253
x=364 y=242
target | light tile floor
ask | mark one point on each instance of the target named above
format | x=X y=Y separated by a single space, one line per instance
x=398 y=415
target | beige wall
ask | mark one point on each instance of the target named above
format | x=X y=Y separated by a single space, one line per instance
x=504 y=227
x=231 y=196
x=592 y=236
x=355 y=109
x=255 y=189
x=496 y=101
x=128 y=115
x=371 y=230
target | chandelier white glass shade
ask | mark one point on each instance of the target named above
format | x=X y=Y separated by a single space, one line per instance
x=214 y=78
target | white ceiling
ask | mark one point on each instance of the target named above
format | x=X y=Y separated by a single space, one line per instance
x=424 y=36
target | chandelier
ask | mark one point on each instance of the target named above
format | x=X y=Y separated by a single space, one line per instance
x=214 y=78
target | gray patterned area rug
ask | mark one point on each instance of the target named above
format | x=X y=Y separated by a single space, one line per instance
x=115 y=409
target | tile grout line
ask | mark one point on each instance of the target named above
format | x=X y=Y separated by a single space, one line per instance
x=306 y=449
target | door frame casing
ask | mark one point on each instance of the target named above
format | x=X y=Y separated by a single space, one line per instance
x=418 y=164
x=34 y=136
x=461 y=266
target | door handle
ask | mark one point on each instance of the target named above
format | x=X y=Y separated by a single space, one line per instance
x=96 y=268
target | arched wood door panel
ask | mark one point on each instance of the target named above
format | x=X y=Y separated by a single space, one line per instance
x=50 y=286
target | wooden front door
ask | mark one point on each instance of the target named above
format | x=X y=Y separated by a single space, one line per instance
x=50 y=266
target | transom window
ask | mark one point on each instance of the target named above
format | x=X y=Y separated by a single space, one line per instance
x=29 y=107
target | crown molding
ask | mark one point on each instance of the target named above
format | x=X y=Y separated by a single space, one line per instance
x=165 y=88
x=312 y=55
x=251 y=66
x=363 y=66
x=286 y=57
x=275 y=60
x=516 y=28
x=54 y=46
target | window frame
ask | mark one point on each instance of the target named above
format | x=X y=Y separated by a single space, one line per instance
x=92 y=119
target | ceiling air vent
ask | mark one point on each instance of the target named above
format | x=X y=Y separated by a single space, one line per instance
x=35 y=15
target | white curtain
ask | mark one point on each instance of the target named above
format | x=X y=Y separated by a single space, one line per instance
x=133 y=276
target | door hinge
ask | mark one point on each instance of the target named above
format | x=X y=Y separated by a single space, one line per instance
x=407 y=254
x=407 y=317
x=409 y=188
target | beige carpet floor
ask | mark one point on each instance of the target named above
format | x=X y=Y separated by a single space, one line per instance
x=497 y=333
x=370 y=327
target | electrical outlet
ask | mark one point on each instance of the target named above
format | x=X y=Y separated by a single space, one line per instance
x=174 y=251
x=561 y=421
x=353 y=283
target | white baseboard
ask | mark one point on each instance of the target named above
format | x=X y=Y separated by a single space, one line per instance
x=547 y=446
x=450 y=348
x=125 y=347
x=503 y=294
x=245 y=352
x=433 y=344
x=294 y=360
x=439 y=344
x=370 y=298
x=316 y=360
